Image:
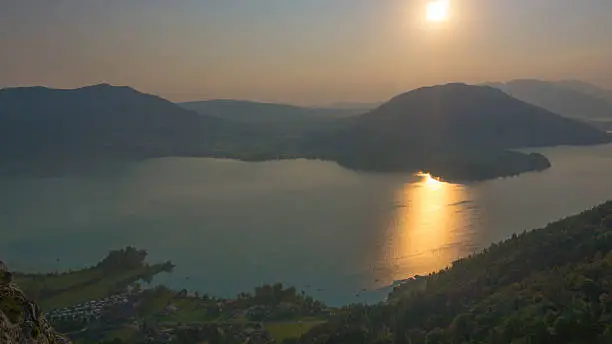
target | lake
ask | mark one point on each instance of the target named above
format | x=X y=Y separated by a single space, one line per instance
x=340 y=235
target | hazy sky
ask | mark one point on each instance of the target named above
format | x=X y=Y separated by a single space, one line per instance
x=299 y=51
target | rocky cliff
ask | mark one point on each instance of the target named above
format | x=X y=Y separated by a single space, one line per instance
x=21 y=321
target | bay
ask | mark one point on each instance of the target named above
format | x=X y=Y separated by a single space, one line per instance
x=342 y=236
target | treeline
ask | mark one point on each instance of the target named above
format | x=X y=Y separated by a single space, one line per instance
x=128 y=258
x=552 y=285
x=275 y=294
x=131 y=259
x=125 y=258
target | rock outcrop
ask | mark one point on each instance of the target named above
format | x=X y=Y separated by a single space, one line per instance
x=21 y=321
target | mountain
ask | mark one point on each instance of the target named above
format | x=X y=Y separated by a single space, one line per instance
x=60 y=131
x=460 y=114
x=568 y=98
x=455 y=131
x=257 y=112
x=99 y=120
x=587 y=88
x=458 y=131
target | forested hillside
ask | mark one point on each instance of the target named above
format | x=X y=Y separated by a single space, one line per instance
x=550 y=285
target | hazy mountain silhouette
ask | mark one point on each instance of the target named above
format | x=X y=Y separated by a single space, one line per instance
x=472 y=115
x=76 y=128
x=100 y=119
x=361 y=107
x=455 y=131
x=255 y=112
x=459 y=131
x=568 y=98
x=587 y=88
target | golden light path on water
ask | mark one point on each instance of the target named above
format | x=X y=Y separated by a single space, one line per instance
x=425 y=234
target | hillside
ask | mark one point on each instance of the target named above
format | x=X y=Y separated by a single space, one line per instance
x=569 y=99
x=459 y=114
x=550 y=285
x=257 y=112
x=99 y=120
x=457 y=131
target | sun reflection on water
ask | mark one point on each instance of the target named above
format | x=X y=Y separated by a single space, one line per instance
x=425 y=236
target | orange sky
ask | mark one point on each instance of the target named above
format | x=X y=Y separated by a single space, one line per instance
x=314 y=52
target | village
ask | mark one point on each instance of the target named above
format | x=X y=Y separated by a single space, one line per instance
x=88 y=311
x=160 y=315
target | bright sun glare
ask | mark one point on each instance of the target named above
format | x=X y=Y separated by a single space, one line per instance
x=429 y=181
x=437 y=10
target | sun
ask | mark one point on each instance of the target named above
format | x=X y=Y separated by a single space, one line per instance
x=437 y=10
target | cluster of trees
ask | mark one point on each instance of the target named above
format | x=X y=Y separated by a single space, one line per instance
x=131 y=258
x=125 y=258
x=280 y=302
x=552 y=285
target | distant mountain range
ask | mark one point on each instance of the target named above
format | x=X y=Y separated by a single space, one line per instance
x=361 y=107
x=573 y=99
x=587 y=88
x=257 y=112
x=455 y=131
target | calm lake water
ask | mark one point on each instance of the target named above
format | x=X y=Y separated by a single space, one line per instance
x=342 y=236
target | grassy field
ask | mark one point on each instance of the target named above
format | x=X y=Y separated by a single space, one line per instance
x=125 y=333
x=128 y=333
x=189 y=310
x=186 y=309
x=286 y=330
x=67 y=289
x=155 y=304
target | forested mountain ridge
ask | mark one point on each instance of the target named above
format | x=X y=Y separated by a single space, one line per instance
x=551 y=285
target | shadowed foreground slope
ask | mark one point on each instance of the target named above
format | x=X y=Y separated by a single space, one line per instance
x=22 y=321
